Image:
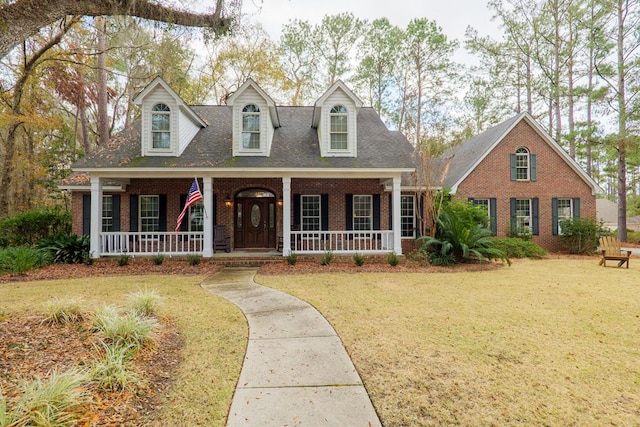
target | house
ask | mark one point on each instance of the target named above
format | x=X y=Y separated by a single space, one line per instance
x=524 y=179
x=308 y=179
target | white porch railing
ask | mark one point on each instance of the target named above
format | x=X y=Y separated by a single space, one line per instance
x=139 y=243
x=309 y=242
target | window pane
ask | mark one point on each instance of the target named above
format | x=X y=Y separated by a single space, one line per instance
x=407 y=216
x=564 y=212
x=160 y=122
x=161 y=140
x=107 y=213
x=362 y=213
x=250 y=122
x=310 y=213
x=149 y=213
x=250 y=140
x=196 y=217
x=523 y=215
x=338 y=141
x=338 y=123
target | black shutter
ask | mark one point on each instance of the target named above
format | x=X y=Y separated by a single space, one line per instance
x=348 y=211
x=214 y=209
x=86 y=214
x=512 y=212
x=513 y=167
x=162 y=211
x=554 y=216
x=184 y=225
x=576 y=207
x=324 y=209
x=493 y=215
x=391 y=211
x=133 y=212
x=297 y=212
x=376 y=211
x=534 y=208
x=534 y=167
x=116 y=212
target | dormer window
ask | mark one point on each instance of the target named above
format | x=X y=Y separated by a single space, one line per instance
x=161 y=126
x=251 y=127
x=339 y=117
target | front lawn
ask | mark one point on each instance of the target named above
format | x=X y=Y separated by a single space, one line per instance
x=552 y=342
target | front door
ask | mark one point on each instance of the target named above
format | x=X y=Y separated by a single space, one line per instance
x=255 y=222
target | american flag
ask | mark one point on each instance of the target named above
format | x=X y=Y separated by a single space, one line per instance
x=193 y=197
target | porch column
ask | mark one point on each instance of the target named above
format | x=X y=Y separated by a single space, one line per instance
x=286 y=215
x=207 y=200
x=96 y=217
x=397 y=237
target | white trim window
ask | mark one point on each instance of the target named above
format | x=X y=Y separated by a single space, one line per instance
x=522 y=164
x=339 y=118
x=251 y=127
x=149 y=218
x=524 y=219
x=107 y=213
x=362 y=212
x=196 y=217
x=484 y=204
x=407 y=217
x=565 y=212
x=161 y=127
x=310 y=212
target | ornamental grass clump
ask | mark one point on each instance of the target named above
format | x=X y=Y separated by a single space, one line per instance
x=327 y=258
x=127 y=330
x=359 y=259
x=145 y=302
x=393 y=259
x=112 y=372
x=63 y=310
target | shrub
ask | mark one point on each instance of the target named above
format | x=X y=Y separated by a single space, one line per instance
x=393 y=259
x=157 y=259
x=145 y=302
x=67 y=248
x=514 y=247
x=112 y=372
x=580 y=236
x=50 y=402
x=21 y=259
x=359 y=259
x=123 y=260
x=292 y=258
x=63 y=310
x=327 y=258
x=129 y=330
x=28 y=228
x=193 y=259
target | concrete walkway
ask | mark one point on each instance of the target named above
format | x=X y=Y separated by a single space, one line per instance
x=296 y=371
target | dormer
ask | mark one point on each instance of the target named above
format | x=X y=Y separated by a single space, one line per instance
x=254 y=119
x=168 y=124
x=335 y=117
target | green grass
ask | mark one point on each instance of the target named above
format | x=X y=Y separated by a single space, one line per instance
x=544 y=342
x=214 y=332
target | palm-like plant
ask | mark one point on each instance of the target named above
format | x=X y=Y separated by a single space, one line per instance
x=457 y=240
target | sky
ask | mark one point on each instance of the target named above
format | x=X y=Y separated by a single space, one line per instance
x=453 y=16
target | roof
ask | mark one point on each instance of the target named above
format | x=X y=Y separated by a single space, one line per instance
x=461 y=160
x=295 y=145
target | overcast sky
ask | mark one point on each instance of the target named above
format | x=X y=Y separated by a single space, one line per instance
x=453 y=16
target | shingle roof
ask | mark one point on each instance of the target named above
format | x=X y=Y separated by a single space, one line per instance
x=295 y=145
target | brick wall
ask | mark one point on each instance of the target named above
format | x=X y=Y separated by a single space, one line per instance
x=555 y=178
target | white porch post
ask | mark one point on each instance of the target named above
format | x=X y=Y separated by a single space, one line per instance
x=397 y=233
x=207 y=199
x=96 y=216
x=286 y=215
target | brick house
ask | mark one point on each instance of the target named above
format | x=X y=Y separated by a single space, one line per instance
x=327 y=177
x=526 y=181
x=309 y=179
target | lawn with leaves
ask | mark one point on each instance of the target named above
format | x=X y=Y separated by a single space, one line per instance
x=214 y=334
x=548 y=342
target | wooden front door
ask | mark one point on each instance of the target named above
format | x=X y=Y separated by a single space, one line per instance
x=255 y=223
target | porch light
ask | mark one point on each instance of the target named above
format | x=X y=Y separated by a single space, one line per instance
x=280 y=201
x=228 y=202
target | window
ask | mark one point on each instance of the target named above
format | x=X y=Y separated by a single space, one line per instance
x=149 y=213
x=251 y=127
x=161 y=126
x=362 y=213
x=523 y=216
x=483 y=204
x=310 y=213
x=338 y=117
x=565 y=212
x=407 y=217
x=522 y=164
x=196 y=217
x=107 y=213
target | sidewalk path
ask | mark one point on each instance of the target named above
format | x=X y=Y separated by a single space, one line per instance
x=296 y=371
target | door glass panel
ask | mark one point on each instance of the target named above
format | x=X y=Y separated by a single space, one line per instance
x=239 y=215
x=255 y=215
x=272 y=215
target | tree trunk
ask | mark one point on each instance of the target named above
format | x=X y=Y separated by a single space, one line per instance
x=103 y=117
x=622 y=128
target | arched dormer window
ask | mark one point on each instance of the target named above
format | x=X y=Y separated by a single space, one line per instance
x=161 y=126
x=338 y=131
x=251 y=127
